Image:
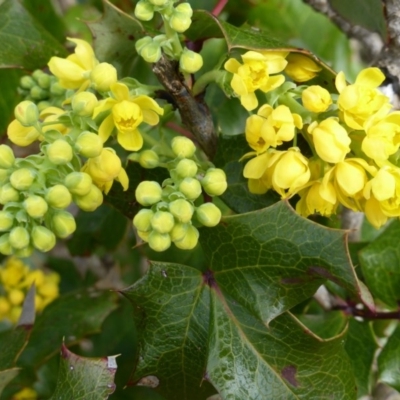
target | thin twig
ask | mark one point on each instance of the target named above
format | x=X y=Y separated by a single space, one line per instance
x=352 y=310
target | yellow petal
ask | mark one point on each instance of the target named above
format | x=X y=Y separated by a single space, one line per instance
x=85 y=53
x=273 y=83
x=249 y=101
x=232 y=65
x=106 y=128
x=104 y=105
x=120 y=91
x=130 y=141
x=255 y=168
x=123 y=179
x=70 y=74
x=370 y=77
x=340 y=81
x=238 y=85
x=256 y=186
x=146 y=102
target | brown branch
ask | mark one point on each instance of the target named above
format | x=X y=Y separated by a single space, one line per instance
x=194 y=112
x=352 y=310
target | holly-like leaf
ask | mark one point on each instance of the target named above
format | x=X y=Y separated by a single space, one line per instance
x=72 y=316
x=361 y=347
x=389 y=361
x=25 y=42
x=114 y=37
x=379 y=262
x=230 y=320
x=81 y=378
x=7 y=376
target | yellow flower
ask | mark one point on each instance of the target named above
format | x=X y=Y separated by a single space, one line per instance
x=21 y=135
x=74 y=71
x=316 y=99
x=127 y=113
x=373 y=212
x=301 y=68
x=104 y=168
x=255 y=73
x=360 y=101
x=382 y=136
x=25 y=394
x=331 y=140
x=271 y=127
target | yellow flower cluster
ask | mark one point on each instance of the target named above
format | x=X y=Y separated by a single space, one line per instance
x=16 y=278
x=354 y=137
x=25 y=394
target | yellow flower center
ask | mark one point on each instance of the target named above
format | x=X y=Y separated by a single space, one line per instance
x=127 y=116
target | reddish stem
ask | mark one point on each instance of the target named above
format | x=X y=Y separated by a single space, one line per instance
x=219 y=7
x=367 y=314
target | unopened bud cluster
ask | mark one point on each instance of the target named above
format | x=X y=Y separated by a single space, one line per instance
x=177 y=208
x=16 y=278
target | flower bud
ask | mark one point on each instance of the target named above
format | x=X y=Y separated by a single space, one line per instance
x=208 y=214
x=143 y=235
x=178 y=232
x=37 y=93
x=149 y=159
x=59 y=152
x=4 y=305
x=162 y=221
x=159 y=241
x=83 y=104
x=35 y=206
x=183 y=147
x=103 y=76
x=191 y=188
x=190 y=61
x=43 y=238
x=6 y=221
x=7 y=157
x=3 y=176
x=42 y=105
x=90 y=201
x=190 y=240
x=151 y=53
x=159 y=3
x=5 y=246
x=89 y=144
x=58 y=196
x=63 y=224
x=148 y=193
x=22 y=178
x=78 y=183
x=27 y=82
x=142 y=43
x=37 y=73
x=182 y=210
x=214 y=182
x=44 y=81
x=24 y=253
x=316 y=99
x=142 y=219
x=8 y=194
x=179 y=22
x=26 y=113
x=56 y=89
x=186 y=168
x=144 y=11
x=184 y=8
x=301 y=68
x=19 y=237
x=16 y=296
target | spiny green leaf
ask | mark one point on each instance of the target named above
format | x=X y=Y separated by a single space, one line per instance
x=9 y=79
x=72 y=316
x=12 y=343
x=81 y=378
x=25 y=43
x=380 y=262
x=7 y=376
x=114 y=37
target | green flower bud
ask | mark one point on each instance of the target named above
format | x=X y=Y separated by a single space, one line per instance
x=8 y=194
x=89 y=144
x=142 y=219
x=144 y=11
x=44 y=81
x=37 y=93
x=42 y=105
x=182 y=210
x=148 y=193
x=190 y=240
x=43 y=239
x=178 y=232
x=180 y=22
x=7 y=157
x=60 y=152
x=186 y=168
x=35 y=206
x=63 y=224
x=27 y=82
x=83 y=104
x=183 y=147
x=151 y=52
x=56 y=89
x=102 y=76
x=214 y=182
x=6 y=221
x=144 y=235
x=26 y=113
x=4 y=173
x=149 y=159
x=90 y=201
x=22 y=178
x=37 y=73
x=143 y=42
x=190 y=61
x=159 y=3
x=19 y=238
x=208 y=214
x=78 y=183
x=24 y=253
x=191 y=188
x=162 y=221
x=184 y=8
x=5 y=246
x=159 y=241
x=58 y=196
